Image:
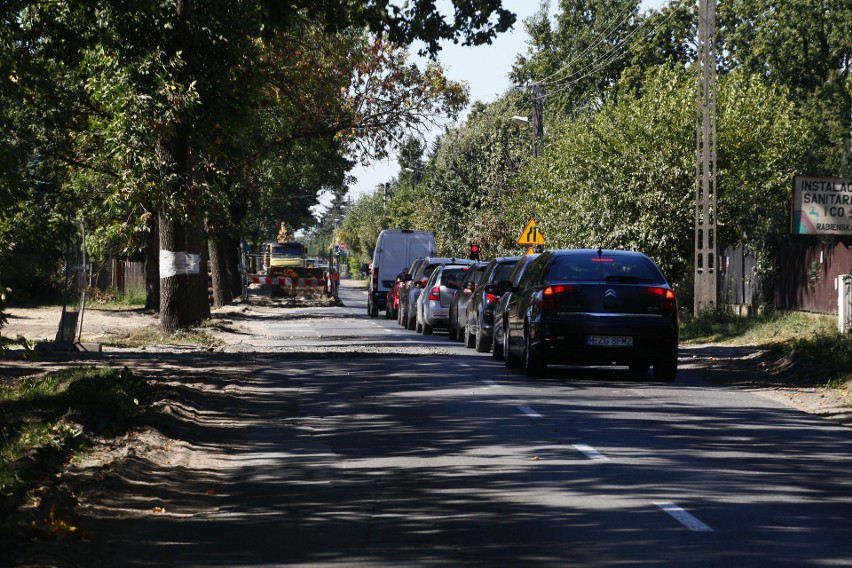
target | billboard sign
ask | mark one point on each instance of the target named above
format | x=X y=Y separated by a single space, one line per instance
x=821 y=206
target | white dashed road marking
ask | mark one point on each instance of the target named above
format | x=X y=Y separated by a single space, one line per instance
x=590 y=452
x=683 y=517
x=529 y=412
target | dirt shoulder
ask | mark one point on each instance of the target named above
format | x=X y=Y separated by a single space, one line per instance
x=795 y=380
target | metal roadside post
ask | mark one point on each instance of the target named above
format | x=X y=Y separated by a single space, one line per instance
x=69 y=334
x=243 y=252
x=844 y=303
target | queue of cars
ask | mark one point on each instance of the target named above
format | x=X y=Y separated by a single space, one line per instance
x=578 y=307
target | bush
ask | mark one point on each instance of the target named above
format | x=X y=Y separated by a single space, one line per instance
x=833 y=352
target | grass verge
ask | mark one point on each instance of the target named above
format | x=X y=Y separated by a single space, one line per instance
x=779 y=332
x=46 y=412
x=114 y=298
x=153 y=335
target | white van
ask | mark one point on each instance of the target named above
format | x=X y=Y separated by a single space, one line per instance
x=395 y=250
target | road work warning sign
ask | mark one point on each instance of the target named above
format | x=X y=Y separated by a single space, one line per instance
x=531 y=235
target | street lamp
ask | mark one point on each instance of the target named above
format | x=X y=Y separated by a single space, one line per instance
x=413 y=173
x=536 y=133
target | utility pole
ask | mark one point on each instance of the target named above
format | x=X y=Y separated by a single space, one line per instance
x=705 y=153
x=537 y=121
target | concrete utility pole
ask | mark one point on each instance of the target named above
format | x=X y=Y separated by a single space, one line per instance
x=705 y=182
x=537 y=120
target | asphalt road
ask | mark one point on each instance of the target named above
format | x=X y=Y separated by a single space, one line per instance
x=368 y=445
x=426 y=453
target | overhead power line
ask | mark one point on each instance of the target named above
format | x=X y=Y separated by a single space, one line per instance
x=602 y=37
x=609 y=57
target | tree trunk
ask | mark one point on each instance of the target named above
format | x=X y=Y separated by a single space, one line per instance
x=178 y=238
x=152 y=267
x=217 y=272
x=232 y=253
x=174 y=284
x=196 y=244
x=224 y=252
x=232 y=248
x=224 y=266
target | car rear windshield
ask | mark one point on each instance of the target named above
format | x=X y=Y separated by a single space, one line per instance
x=427 y=272
x=504 y=270
x=475 y=274
x=610 y=268
x=454 y=274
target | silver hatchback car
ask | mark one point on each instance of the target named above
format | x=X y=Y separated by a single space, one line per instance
x=433 y=304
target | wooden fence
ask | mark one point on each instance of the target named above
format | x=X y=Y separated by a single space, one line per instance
x=807 y=276
x=738 y=281
x=119 y=275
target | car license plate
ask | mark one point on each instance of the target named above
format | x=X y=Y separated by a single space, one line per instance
x=610 y=340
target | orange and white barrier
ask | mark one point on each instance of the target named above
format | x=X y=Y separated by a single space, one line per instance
x=293 y=287
x=301 y=282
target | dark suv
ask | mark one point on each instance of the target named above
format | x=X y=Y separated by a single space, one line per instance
x=480 y=309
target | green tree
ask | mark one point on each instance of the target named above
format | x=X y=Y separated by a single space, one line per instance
x=763 y=142
x=35 y=160
x=398 y=204
x=322 y=237
x=664 y=37
x=364 y=220
x=802 y=47
x=625 y=177
x=582 y=56
x=470 y=178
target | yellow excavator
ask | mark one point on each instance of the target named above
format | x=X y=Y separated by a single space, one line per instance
x=286 y=269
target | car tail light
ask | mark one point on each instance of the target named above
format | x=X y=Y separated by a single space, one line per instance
x=550 y=295
x=668 y=301
x=435 y=293
x=493 y=298
x=375 y=278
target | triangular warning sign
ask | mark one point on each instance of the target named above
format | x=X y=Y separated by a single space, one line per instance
x=531 y=235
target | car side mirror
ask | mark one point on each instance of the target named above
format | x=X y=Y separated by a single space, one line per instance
x=407 y=278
